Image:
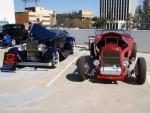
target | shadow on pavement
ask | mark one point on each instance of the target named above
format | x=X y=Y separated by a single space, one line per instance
x=74 y=77
x=100 y=81
x=130 y=80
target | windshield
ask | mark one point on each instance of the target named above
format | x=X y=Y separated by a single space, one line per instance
x=114 y=31
x=54 y=31
x=2 y=23
x=8 y=27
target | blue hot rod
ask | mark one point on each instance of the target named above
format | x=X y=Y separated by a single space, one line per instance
x=43 y=48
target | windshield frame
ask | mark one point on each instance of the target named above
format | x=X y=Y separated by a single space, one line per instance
x=97 y=32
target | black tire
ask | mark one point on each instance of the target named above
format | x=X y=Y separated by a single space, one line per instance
x=92 y=49
x=141 y=70
x=55 y=60
x=133 y=51
x=81 y=68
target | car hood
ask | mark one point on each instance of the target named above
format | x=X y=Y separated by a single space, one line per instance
x=38 y=32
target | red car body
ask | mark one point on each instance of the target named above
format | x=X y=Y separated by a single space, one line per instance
x=122 y=50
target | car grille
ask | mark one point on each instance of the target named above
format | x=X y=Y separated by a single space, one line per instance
x=111 y=58
x=32 y=51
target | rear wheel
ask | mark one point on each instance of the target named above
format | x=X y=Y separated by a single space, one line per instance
x=55 y=60
x=140 y=70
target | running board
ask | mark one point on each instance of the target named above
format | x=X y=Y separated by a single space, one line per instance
x=32 y=64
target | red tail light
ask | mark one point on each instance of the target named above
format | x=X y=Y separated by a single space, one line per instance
x=10 y=58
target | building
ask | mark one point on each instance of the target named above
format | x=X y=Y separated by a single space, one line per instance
x=118 y=10
x=7 y=11
x=86 y=13
x=148 y=1
x=34 y=14
x=145 y=22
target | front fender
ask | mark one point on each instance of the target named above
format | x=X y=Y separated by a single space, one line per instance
x=52 y=51
x=20 y=55
x=69 y=42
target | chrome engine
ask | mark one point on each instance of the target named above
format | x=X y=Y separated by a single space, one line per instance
x=32 y=51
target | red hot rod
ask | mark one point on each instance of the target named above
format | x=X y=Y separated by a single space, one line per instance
x=111 y=54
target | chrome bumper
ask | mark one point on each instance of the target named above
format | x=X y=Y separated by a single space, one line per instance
x=110 y=70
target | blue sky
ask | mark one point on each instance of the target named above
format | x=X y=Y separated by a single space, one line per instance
x=63 y=5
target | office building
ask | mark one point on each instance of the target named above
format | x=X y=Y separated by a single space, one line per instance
x=35 y=14
x=118 y=10
x=145 y=22
x=86 y=13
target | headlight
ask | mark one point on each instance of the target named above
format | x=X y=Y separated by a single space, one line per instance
x=21 y=47
x=41 y=47
x=96 y=62
x=126 y=62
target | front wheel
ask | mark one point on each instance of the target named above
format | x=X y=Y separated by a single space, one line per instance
x=133 y=52
x=83 y=68
x=140 y=70
x=55 y=60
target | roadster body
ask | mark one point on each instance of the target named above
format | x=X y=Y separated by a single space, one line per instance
x=43 y=48
x=111 y=54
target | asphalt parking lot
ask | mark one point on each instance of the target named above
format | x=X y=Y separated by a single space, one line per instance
x=60 y=91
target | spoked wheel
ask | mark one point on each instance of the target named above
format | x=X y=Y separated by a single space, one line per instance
x=83 y=68
x=13 y=42
x=140 y=70
x=55 y=60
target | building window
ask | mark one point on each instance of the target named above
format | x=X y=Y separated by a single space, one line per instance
x=31 y=15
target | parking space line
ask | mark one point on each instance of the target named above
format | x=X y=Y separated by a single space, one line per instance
x=148 y=77
x=57 y=76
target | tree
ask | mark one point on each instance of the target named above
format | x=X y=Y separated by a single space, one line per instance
x=146 y=8
x=100 y=23
x=86 y=23
x=129 y=20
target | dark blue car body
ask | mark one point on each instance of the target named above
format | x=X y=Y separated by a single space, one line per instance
x=43 y=48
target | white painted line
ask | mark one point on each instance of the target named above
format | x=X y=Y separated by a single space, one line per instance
x=148 y=77
x=57 y=76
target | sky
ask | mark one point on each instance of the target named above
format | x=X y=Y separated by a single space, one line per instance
x=61 y=6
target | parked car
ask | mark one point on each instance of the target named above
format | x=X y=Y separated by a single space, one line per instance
x=43 y=48
x=112 y=53
x=2 y=23
x=13 y=34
